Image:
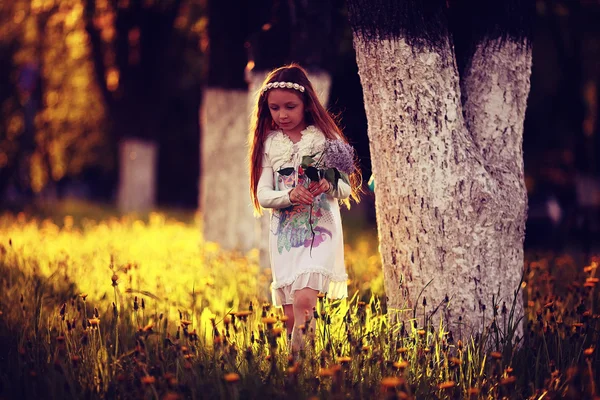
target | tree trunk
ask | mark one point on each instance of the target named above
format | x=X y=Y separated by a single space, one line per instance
x=451 y=227
x=225 y=201
x=494 y=88
x=137 y=180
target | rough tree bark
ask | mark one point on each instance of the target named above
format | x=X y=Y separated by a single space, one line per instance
x=450 y=193
x=224 y=202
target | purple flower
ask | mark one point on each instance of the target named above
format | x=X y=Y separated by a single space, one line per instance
x=339 y=155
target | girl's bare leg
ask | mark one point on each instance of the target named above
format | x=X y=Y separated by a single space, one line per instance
x=304 y=302
x=288 y=311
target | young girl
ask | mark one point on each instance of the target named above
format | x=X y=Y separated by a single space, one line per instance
x=305 y=241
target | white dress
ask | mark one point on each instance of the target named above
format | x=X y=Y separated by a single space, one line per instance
x=300 y=259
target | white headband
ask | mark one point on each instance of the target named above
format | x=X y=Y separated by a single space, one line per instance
x=283 y=85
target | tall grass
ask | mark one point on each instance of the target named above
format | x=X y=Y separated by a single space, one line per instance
x=125 y=308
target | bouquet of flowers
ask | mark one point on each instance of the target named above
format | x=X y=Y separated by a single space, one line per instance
x=335 y=163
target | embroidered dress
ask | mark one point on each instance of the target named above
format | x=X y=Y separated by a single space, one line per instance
x=299 y=259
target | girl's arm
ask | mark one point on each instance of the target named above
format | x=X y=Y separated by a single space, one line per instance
x=269 y=197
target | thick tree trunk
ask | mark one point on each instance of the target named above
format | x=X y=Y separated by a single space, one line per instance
x=446 y=222
x=137 y=180
x=224 y=200
x=494 y=89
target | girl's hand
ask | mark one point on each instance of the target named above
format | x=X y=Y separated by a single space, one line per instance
x=301 y=195
x=317 y=188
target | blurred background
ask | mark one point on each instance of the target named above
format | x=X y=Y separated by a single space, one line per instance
x=89 y=86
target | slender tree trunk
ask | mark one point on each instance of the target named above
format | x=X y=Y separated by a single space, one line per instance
x=450 y=195
x=224 y=198
x=137 y=183
x=225 y=203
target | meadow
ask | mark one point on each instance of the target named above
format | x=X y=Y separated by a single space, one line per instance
x=142 y=307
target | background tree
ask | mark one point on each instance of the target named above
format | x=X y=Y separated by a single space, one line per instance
x=52 y=116
x=148 y=58
x=445 y=87
x=224 y=201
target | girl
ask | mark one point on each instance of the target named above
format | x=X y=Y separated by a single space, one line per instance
x=305 y=240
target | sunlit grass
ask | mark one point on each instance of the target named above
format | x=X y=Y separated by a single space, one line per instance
x=128 y=308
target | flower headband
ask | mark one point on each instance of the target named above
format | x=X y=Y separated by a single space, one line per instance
x=283 y=85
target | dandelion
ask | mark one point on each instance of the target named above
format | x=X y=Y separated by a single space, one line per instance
x=588 y=352
x=344 y=360
x=325 y=372
x=401 y=365
x=508 y=380
x=421 y=332
x=148 y=380
x=453 y=361
x=590 y=268
x=185 y=323
x=231 y=377
x=148 y=327
x=391 y=382
x=269 y=320
x=496 y=355
x=94 y=322
x=402 y=350
x=171 y=396
x=447 y=385
x=277 y=331
x=243 y=314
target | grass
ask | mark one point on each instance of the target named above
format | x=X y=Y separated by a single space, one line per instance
x=142 y=307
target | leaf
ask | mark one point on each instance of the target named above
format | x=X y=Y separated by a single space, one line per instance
x=307 y=161
x=330 y=176
x=345 y=177
x=286 y=171
x=312 y=173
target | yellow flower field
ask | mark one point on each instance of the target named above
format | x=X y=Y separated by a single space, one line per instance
x=142 y=307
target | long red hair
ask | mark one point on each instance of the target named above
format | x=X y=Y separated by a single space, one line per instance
x=262 y=123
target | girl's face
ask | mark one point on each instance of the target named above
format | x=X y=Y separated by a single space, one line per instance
x=287 y=110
